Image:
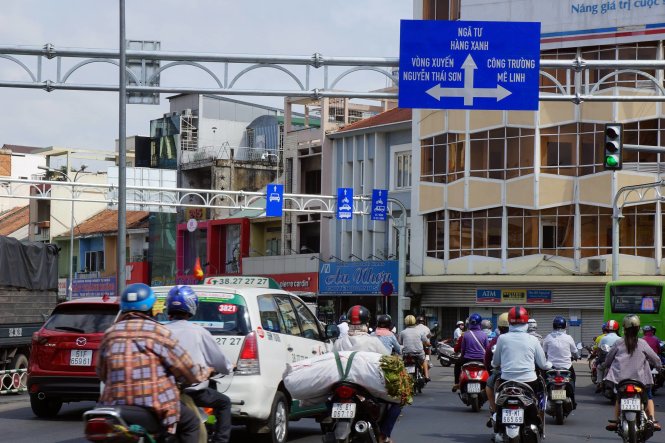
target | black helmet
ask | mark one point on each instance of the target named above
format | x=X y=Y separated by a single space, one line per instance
x=358 y=315
x=421 y=320
x=384 y=321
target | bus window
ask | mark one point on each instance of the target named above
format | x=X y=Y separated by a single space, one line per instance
x=635 y=299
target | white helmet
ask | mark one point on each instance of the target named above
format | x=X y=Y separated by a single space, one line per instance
x=533 y=325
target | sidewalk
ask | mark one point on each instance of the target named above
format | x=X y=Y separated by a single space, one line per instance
x=14 y=398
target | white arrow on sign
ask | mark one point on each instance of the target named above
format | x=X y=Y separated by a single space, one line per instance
x=468 y=91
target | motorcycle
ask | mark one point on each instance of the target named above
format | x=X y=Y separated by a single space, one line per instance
x=414 y=369
x=355 y=415
x=136 y=424
x=633 y=426
x=560 y=393
x=598 y=372
x=446 y=354
x=517 y=414
x=472 y=381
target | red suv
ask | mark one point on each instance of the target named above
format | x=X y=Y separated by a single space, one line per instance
x=63 y=357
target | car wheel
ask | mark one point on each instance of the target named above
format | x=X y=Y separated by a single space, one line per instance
x=19 y=361
x=46 y=408
x=278 y=423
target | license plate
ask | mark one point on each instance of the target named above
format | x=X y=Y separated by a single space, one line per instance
x=344 y=410
x=473 y=388
x=630 y=404
x=558 y=394
x=411 y=369
x=80 y=357
x=512 y=416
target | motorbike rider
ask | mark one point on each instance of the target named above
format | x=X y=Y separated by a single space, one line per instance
x=629 y=359
x=147 y=375
x=358 y=339
x=533 y=327
x=496 y=372
x=422 y=326
x=518 y=354
x=651 y=339
x=181 y=305
x=486 y=327
x=473 y=346
x=413 y=341
x=600 y=337
x=384 y=324
x=343 y=325
x=560 y=349
x=458 y=330
x=606 y=342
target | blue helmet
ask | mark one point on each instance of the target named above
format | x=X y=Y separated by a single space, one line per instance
x=559 y=322
x=343 y=318
x=475 y=319
x=137 y=297
x=182 y=298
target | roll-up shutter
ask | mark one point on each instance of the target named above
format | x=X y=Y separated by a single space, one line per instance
x=592 y=321
x=544 y=318
x=568 y=295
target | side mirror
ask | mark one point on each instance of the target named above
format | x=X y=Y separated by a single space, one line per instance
x=579 y=345
x=332 y=331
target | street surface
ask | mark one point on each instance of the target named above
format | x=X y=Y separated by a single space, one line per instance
x=436 y=415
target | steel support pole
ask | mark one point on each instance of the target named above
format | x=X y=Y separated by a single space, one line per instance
x=71 y=251
x=401 y=285
x=122 y=158
x=616 y=216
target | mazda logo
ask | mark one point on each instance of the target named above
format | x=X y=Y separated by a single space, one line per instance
x=81 y=341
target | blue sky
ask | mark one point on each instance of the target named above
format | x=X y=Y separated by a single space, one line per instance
x=88 y=120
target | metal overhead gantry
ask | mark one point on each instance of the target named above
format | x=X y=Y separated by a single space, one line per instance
x=139 y=196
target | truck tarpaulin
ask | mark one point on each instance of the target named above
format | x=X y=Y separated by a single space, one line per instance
x=29 y=265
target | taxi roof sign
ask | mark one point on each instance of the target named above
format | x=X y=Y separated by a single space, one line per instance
x=242 y=281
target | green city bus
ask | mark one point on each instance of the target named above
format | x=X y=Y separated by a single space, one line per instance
x=636 y=297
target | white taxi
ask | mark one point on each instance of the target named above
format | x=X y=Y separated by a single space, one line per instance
x=261 y=328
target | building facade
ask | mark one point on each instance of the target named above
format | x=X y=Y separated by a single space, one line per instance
x=515 y=207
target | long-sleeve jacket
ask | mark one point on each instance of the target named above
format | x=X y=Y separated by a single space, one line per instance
x=201 y=345
x=139 y=362
x=388 y=339
x=474 y=342
x=623 y=365
x=517 y=354
x=559 y=348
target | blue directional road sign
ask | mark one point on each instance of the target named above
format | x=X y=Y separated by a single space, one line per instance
x=344 y=203
x=274 y=200
x=469 y=65
x=379 y=200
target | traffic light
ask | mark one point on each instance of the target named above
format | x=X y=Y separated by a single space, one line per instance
x=613 y=146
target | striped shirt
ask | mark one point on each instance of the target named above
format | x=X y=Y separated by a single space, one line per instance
x=139 y=361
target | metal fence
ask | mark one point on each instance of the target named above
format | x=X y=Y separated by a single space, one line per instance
x=13 y=381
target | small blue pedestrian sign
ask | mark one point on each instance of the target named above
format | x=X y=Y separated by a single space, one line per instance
x=344 y=203
x=469 y=65
x=274 y=200
x=379 y=204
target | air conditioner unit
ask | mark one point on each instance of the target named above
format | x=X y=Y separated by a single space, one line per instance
x=597 y=266
x=187 y=112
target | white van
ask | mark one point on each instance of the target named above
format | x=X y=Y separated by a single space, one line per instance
x=261 y=329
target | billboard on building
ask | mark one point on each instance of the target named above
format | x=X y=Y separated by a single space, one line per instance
x=357 y=278
x=573 y=23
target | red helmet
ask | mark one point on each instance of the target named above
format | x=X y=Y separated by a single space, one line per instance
x=518 y=316
x=358 y=315
x=613 y=325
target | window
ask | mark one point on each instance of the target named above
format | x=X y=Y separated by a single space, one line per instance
x=637 y=230
x=441 y=9
x=488 y=154
x=83 y=319
x=522 y=232
x=557 y=225
x=435 y=230
x=442 y=158
x=475 y=233
x=403 y=170
x=268 y=312
x=289 y=317
x=310 y=328
x=94 y=261
x=635 y=299
x=558 y=150
x=596 y=230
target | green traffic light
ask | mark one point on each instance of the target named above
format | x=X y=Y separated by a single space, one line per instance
x=612 y=161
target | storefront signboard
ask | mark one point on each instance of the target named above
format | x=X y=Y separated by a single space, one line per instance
x=357 y=278
x=93 y=287
x=514 y=296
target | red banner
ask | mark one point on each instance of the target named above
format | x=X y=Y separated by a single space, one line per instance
x=298 y=282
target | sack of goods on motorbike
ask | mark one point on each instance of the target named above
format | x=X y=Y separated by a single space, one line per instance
x=357 y=387
x=472 y=381
x=517 y=417
x=384 y=377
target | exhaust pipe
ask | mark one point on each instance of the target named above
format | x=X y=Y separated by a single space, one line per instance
x=41 y=396
x=361 y=427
